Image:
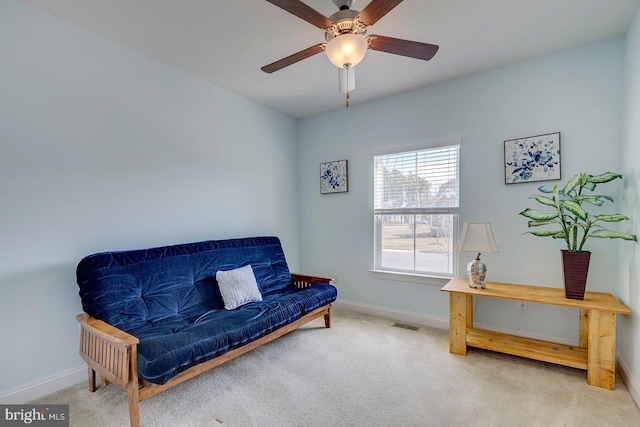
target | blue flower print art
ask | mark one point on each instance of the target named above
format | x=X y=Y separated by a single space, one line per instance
x=531 y=159
x=333 y=177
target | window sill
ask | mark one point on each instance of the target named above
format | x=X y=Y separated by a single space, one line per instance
x=409 y=277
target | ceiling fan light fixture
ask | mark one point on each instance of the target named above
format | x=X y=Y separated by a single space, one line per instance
x=346 y=49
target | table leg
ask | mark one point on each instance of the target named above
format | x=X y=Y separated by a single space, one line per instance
x=584 y=327
x=601 y=363
x=459 y=319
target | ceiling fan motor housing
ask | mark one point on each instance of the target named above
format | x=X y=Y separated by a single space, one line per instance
x=345 y=23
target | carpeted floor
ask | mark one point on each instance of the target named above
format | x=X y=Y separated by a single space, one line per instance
x=364 y=372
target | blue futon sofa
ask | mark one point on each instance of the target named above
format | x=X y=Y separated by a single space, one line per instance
x=154 y=318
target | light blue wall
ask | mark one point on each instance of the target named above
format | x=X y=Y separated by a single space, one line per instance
x=578 y=92
x=102 y=148
x=629 y=263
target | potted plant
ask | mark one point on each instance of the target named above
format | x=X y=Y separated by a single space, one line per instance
x=574 y=224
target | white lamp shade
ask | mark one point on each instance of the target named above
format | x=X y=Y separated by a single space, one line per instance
x=347 y=80
x=477 y=237
x=346 y=49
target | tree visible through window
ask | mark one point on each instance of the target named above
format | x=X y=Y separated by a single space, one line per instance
x=416 y=204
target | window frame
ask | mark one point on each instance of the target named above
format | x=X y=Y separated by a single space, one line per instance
x=415 y=275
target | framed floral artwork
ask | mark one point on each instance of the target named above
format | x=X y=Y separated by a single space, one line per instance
x=531 y=159
x=333 y=177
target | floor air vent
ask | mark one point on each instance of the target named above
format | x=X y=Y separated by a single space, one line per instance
x=404 y=326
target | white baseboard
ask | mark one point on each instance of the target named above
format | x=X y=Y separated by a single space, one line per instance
x=44 y=387
x=430 y=321
x=399 y=315
x=632 y=384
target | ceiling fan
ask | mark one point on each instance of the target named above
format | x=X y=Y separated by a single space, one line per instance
x=346 y=43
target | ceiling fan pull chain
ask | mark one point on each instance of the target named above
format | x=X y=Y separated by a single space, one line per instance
x=347 y=67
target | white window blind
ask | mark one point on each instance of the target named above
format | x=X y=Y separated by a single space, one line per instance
x=416 y=204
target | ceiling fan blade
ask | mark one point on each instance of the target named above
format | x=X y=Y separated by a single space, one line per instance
x=376 y=10
x=292 y=59
x=302 y=11
x=408 y=48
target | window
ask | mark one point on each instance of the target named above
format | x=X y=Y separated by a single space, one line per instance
x=416 y=205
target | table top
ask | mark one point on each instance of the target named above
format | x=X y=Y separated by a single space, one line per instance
x=556 y=296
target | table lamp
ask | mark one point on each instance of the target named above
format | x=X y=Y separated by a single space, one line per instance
x=477 y=237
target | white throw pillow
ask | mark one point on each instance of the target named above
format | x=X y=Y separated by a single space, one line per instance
x=238 y=287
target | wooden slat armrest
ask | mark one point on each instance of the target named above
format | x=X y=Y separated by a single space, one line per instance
x=106 y=331
x=110 y=352
x=304 y=281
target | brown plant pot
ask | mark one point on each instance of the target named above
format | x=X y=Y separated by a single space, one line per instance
x=576 y=267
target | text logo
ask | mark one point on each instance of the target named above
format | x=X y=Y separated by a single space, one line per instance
x=34 y=415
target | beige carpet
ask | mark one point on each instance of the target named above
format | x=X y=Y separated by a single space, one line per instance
x=364 y=372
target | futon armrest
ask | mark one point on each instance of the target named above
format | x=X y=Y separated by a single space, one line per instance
x=304 y=281
x=106 y=331
x=108 y=351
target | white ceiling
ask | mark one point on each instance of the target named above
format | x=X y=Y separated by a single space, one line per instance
x=227 y=41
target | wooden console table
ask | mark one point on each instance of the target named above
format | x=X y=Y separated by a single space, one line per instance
x=596 y=351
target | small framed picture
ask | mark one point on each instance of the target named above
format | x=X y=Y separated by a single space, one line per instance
x=333 y=177
x=531 y=159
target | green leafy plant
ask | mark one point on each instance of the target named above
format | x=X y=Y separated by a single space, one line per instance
x=576 y=225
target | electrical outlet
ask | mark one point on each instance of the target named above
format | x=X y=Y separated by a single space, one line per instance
x=335 y=279
x=522 y=305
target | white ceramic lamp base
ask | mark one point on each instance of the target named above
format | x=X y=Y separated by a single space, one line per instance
x=477 y=271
